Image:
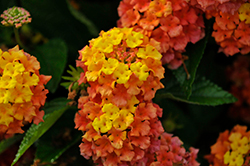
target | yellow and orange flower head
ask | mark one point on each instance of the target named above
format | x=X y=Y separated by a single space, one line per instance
x=122 y=60
x=22 y=91
x=231 y=148
x=119 y=120
x=172 y=23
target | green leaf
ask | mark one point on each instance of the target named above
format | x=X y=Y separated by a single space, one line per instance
x=208 y=93
x=36 y=131
x=204 y=92
x=195 y=53
x=47 y=153
x=5 y=144
x=52 y=57
x=83 y=19
x=60 y=137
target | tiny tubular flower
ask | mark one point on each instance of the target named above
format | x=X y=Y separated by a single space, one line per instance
x=114 y=36
x=102 y=124
x=149 y=51
x=134 y=39
x=244 y=13
x=15 y=16
x=110 y=65
x=122 y=73
x=111 y=110
x=140 y=70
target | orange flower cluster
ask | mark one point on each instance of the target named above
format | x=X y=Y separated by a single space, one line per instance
x=213 y=7
x=172 y=153
x=119 y=120
x=239 y=76
x=172 y=23
x=231 y=27
x=22 y=91
x=231 y=148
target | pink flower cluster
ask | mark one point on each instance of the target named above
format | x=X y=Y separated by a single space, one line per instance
x=15 y=16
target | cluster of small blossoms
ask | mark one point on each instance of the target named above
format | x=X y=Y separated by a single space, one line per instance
x=118 y=118
x=231 y=148
x=172 y=23
x=231 y=27
x=213 y=7
x=239 y=76
x=22 y=91
x=15 y=16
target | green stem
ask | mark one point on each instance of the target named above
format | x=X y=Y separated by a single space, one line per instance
x=19 y=42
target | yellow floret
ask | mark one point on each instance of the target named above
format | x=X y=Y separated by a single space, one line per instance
x=102 y=124
x=7 y=82
x=114 y=36
x=13 y=69
x=6 y=113
x=233 y=159
x=103 y=45
x=140 y=70
x=122 y=73
x=149 y=51
x=94 y=71
x=111 y=111
x=134 y=39
x=124 y=120
x=244 y=13
x=29 y=79
x=241 y=146
x=109 y=66
x=131 y=104
x=20 y=94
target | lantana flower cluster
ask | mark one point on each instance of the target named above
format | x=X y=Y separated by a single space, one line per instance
x=15 y=16
x=231 y=148
x=22 y=91
x=118 y=118
x=171 y=23
x=231 y=27
x=239 y=77
x=214 y=7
